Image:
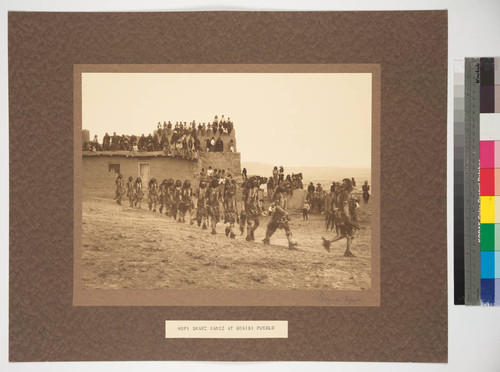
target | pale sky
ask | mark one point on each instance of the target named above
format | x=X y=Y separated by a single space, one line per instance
x=291 y=119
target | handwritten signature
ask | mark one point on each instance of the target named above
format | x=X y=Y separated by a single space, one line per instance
x=322 y=297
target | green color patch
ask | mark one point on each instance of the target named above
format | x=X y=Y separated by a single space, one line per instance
x=487 y=237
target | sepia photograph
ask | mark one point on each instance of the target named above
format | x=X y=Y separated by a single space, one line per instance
x=200 y=181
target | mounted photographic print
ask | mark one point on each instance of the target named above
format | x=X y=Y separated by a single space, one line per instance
x=227 y=185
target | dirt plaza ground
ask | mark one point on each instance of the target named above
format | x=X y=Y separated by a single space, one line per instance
x=130 y=248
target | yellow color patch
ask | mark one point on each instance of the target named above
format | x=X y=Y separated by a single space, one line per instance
x=487 y=209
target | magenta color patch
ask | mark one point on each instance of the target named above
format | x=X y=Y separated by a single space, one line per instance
x=487 y=154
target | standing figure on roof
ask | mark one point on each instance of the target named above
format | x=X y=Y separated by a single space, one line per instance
x=153 y=191
x=114 y=142
x=222 y=124
x=279 y=216
x=105 y=142
x=343 y=218
x=215 y=125
x=119 y=189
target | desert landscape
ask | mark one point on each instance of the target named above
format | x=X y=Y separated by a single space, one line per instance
x=130 y=248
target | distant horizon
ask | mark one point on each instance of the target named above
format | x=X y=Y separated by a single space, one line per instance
x=301 y=166
x=323 y=175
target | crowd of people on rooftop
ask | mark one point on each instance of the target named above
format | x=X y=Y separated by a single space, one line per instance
x=177 y=140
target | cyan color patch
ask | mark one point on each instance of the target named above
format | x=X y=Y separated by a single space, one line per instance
x=487 y=265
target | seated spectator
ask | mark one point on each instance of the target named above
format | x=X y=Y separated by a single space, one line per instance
x=212 y=144
x=166 y=137
x=149 y=143
x=95 y=144
x=219 y=146
x=124 y=143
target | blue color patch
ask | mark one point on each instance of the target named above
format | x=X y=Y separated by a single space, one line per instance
x=488 y=292
x=487 y=265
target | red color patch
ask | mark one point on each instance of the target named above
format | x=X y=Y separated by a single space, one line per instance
x=487 y=182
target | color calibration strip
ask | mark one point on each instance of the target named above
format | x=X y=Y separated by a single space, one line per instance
x=458 y=181
x=481 y=175
x=489 y=129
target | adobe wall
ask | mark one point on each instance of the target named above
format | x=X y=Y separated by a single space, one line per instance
x=296 y=200
x=222 y=160
x=85 y=135
x=97 y=180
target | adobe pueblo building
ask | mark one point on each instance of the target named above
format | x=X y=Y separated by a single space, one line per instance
x=101 y=167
